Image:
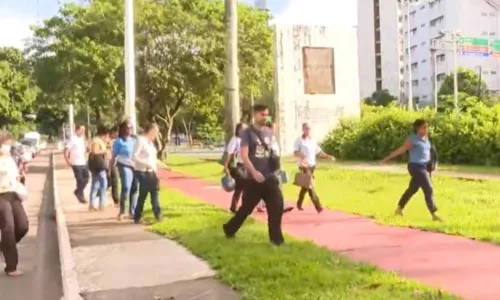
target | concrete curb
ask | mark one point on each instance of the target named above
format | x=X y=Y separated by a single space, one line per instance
x=69 y=276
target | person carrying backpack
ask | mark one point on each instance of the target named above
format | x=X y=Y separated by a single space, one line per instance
x=233 y=164
x=421 y=163
x=98 y=167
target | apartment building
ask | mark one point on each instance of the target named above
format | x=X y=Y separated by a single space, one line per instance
x=428 y=19
x=380 y=47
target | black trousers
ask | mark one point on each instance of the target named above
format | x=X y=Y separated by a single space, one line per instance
x=312 y=193
x=253 y=192
x=238 y=189
x=13 y=227
x=113 y=184
x=82 y=177
x=420 y=179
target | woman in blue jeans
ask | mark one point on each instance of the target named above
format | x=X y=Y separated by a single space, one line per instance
x=146 y=165
x=98 y=168
x=419 y=148
x=122 y=151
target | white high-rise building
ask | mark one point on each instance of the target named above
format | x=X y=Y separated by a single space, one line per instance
x=428 y=20
x=380 y=47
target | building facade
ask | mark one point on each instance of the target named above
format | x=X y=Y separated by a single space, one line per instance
x=428 y=21
x=380 y=47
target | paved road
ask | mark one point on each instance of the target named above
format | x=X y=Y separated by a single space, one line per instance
x=462 y=266
x=122 y=261
x=39 y=249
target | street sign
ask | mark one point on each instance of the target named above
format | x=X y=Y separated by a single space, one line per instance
x=495 y=49
x=471 y=46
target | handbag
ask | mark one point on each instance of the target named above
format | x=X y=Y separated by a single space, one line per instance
x=274 y=159
x=97 y=162
x=304 y=180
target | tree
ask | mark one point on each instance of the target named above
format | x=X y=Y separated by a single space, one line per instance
x=17 y=89
x=380 y=98
x=468 y=83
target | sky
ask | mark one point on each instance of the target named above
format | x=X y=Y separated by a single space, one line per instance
x=16 y=16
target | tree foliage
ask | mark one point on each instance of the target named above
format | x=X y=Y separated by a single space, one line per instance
x=78 y=57
x=468 y=83
x=17 y=90
x=380 y=98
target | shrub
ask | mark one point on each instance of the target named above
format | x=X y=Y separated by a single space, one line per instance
x=473 y=137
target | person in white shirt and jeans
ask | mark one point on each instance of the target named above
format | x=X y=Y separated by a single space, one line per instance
x=306 y=150
x=145 y=161
x=75 y=156
x=13 y=220
x=233 y=153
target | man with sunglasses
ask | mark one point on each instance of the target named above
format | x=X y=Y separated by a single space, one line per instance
x=262 y=165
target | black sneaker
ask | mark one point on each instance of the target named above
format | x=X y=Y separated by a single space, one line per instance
x=287 y=209
x=228 y=235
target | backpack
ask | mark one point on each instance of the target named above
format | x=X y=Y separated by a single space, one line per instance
x=432 y=164
x=97 y=162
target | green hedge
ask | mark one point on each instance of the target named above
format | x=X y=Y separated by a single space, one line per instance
x=472 y=137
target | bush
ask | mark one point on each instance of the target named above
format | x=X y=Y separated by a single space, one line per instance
x=473 y=137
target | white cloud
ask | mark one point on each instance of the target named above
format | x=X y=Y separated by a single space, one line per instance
x=319 y=12
x=15 y=30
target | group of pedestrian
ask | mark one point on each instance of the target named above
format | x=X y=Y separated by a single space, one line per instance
x=116 y=156
x=253 y=160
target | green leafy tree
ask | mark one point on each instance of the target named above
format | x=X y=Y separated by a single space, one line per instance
x=380 y=98
x=468 y=83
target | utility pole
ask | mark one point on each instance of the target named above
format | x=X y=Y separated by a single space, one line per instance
x=130 y=64
x=434 y=77
x=480 y=70
x=455 y=35
x=232 y=95
x=71 y=120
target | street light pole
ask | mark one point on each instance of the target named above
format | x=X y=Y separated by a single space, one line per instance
x=232 y=95
x=130 y=92
x=454 y=36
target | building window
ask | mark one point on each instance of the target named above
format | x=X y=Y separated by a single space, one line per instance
x=379 y=85
x=493 y=33
x=422 y=44
x=440 y=76
x=424 y=78
x=493 y=72
x=414 y=66
x=484 y=33
x=485 y=72
x=441 y=57
x=423 y=25
x=492 y=14
x=422 y=7
x=484 y=14
x=319 y=70
x=435 y=22
x=424 y=61
x=414 y=83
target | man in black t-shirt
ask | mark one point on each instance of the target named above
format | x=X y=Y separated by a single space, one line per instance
x=263 y=183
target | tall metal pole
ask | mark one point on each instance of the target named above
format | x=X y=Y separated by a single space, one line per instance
x=434 y=77
x=232 y=95
x=71 y=119
x=130 y=64
x=455 y=72
x=410 y=79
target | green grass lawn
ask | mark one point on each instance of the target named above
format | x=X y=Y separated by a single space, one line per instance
x=259 y=271
x=469 y=208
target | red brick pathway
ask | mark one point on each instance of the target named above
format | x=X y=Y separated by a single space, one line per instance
x=461 y=266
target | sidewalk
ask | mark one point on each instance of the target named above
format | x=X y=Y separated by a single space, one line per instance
x=122 y=261
x=461 y=266
x=38 y=254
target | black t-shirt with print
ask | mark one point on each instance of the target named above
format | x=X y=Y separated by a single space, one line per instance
x=257 y=152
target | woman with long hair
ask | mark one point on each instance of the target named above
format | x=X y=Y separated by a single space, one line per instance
x=419 y=148
x=233 y=163
x=98 y=168
x=146 y=166
x=13 y=219
x=122 y=151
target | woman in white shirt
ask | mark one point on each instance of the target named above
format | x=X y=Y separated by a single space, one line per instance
x=13 y=220
x=145 y=161
x=233 y=162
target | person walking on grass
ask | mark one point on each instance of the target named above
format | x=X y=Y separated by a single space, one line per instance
x=98 y=168
x=419 y=148
x=122 y=151
x=233 y=163
x=306 y=149
x=145 y=161
x=13 y=219
x=74 y=155
x=274 y=145
x=262 y=164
